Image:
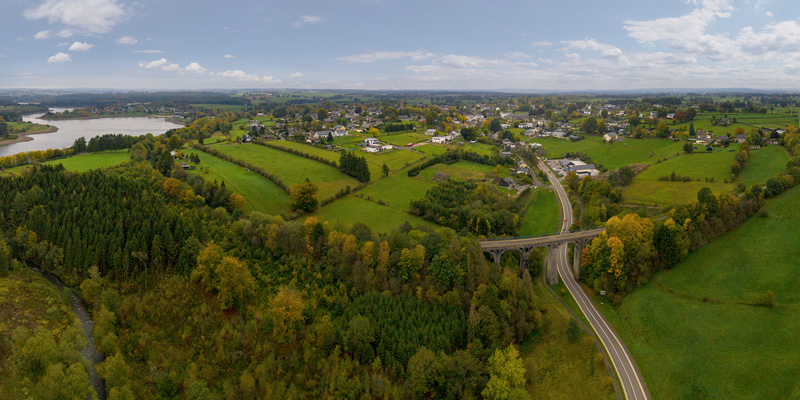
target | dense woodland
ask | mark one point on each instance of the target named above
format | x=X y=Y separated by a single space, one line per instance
x=273 y=308
x=471 y=208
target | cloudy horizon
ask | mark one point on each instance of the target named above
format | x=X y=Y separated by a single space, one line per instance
x=392 y=45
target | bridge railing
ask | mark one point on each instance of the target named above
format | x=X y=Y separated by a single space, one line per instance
x=538 y=236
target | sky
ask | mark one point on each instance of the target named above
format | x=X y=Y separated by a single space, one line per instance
x=557 y=45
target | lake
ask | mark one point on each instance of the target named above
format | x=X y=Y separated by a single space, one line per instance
x=69 y=130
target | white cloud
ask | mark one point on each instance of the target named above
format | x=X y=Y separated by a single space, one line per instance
x=130 y=40
x=95 y=16
x=307 y=20
x=149 y=51
x=59 y=58
x=229 y=56
x=385 y=55
x=242 y=76
x=42 y=35
x=297 y=75
x=196 y=68
x=78 y=46
x=171 y=67
x=541 y=44
x=768 y=13
x=65 y=33
x=154 y=64
x=591 y=45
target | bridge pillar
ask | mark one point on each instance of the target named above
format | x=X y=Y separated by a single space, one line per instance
x=497 y=255
x=552 y=264
x=524 y=255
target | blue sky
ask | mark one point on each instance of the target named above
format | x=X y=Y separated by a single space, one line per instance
x=393 y=44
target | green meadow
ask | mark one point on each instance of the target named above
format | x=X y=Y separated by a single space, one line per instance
x=663 y=193
x=763 y=164
x=290 y=168
x=260 y=193
x=81 y=162
x=696 y=331
x=715 y=165
x=543 y=214
x=612 y=155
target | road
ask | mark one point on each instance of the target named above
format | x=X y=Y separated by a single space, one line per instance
x=633 y=385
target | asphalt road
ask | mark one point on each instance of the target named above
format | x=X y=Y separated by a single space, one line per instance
x=633 y=385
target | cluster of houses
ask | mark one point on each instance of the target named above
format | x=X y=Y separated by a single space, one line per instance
x=373 y=145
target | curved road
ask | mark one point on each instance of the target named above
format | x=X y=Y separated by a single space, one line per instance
x=631 y=379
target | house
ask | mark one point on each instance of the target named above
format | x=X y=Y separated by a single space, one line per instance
x=722 y=138
x=339 y=132
x=314 y=140
x=585 y=170
x=322 y=134
x=370 y=141
x=740 y=138
x=610 y=137
x=441 y=139
x=430 y=132
x=526 y=125
x=370 y=149
x=246 y=139
x=671 y=116
x=508 y=183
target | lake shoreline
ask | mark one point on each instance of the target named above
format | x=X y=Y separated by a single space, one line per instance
x=42 y=117
x=23 y=137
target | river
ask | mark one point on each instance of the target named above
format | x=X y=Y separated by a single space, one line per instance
x=69 y=130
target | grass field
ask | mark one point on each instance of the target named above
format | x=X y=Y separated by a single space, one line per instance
x=394 y=159
x=290 y=168
x=612 y=155
x=432 y=149
x=261 y=194
x=25 y=127
x=460 y=170
x=398 y=190
x=351 y=209
x=668 y=193
x=694 y=330
x=543 y=214
x=81 y=163
x=402 y=139
x=763 y=164
x=716 y=165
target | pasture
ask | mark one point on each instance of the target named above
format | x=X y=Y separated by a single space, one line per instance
x=661 y=193
x=716 y=165
x=290 y=168
x=260 y=193
x=612 y=155
x=697 y=331
x=379 y=218
x=81 y=162
x=763 y=164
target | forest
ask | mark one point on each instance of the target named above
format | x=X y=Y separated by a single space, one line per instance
x=262 y=307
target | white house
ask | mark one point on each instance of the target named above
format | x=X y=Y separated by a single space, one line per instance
x=526 y=125
x=611 y=137
x=441 y=139
x=371 y=141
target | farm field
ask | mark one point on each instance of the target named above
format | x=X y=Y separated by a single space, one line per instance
x=747 y=121
x=663 y=193
x=763 y=164
x=432 y=149
x=398 y=190
x=716 y=165
x=81 y=162
x=290 y=168
x=383 y=219
x=260 y=193
x=543 y=214
x=695 y=330
x=612 y=155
